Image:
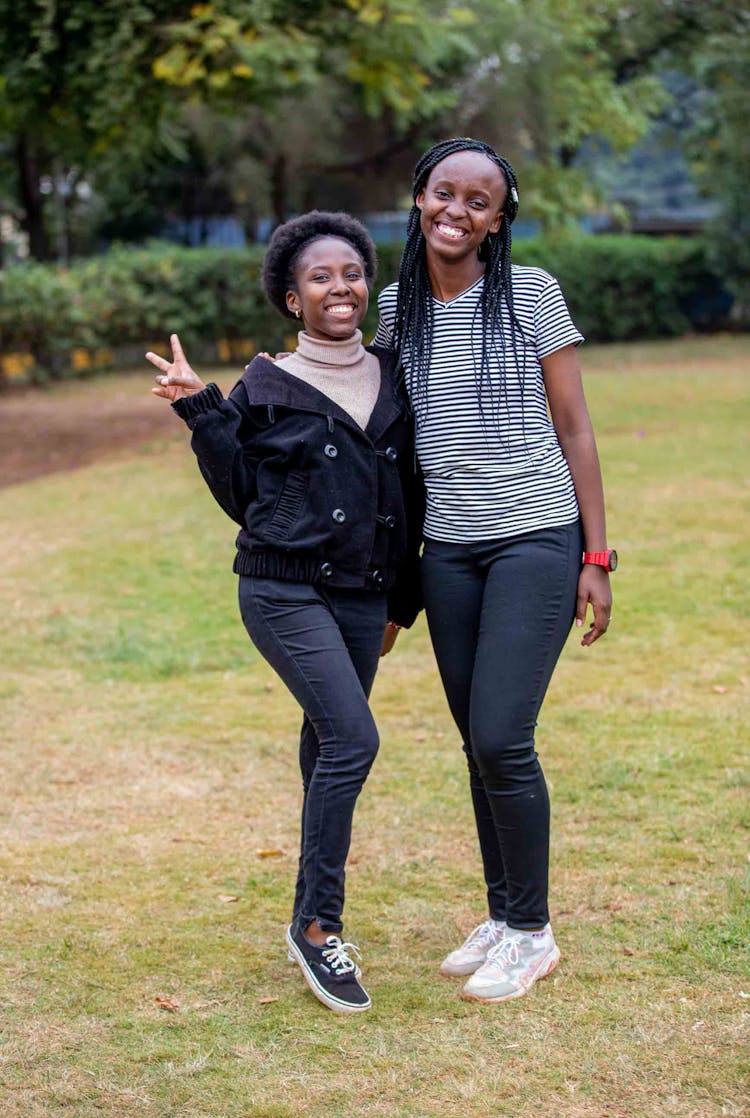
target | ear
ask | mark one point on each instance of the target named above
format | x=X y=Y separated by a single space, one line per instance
x=419 y=200
x=292 y=302
x=496 y=223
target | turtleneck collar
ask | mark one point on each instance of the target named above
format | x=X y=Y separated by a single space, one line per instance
x=315 y=351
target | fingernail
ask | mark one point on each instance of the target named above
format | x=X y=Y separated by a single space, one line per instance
x=578 y=623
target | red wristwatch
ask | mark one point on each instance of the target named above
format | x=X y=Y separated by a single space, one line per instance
x=606 y=559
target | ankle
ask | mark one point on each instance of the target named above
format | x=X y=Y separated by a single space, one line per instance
x=316 y=935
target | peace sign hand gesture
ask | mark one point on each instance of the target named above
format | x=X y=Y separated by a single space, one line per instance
x=178 y=379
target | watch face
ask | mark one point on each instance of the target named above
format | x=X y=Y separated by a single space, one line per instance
x=613 y=560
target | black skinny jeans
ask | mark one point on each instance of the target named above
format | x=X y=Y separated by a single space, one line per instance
x=499 y=613
x=325 y=646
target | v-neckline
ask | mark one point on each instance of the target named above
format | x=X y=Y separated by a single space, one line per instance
x=448 y=302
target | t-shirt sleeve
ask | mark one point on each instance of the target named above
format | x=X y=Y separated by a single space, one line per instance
x=387 y=309
x=552 y=322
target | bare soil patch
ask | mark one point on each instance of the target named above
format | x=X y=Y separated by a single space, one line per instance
x=66 y=426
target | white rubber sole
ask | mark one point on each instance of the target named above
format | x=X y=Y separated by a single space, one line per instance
x=320 y=993
x=546 y=969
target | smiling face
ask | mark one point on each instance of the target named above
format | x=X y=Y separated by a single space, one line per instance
x=330 y=289
x=461 y=203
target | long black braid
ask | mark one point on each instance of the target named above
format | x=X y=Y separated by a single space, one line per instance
x=413 y=327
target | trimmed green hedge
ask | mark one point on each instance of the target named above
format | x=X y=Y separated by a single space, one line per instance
x=107 y=310
x=621 y=287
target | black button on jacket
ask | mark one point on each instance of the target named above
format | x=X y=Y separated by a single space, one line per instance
x=285 y=461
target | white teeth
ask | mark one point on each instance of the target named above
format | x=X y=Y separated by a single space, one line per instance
x=451 y=231
x=344 y=308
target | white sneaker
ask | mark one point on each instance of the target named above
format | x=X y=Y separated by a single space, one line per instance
x=513 y=966
x=473 y=951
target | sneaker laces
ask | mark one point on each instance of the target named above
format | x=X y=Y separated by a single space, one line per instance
x=337 y=957
x=484 y=934
x=506 y=952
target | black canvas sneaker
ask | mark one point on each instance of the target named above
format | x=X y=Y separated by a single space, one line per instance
x=329 y=971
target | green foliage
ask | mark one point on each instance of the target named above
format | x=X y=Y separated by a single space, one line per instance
x=719 y=143
x=133 y=297
x=546 y=85
x=390 y=53
x=101 y=92
x=159 y=108
x=203 y=294
x=621 y=287
x=41 y=312
x=618 y=287
x=78 y=93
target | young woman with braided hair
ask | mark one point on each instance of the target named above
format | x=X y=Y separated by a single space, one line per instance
x=515 y=538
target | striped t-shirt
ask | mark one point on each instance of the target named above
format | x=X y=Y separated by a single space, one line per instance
x=502 y=473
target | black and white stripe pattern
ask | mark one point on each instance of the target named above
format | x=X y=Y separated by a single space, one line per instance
x=501 y=472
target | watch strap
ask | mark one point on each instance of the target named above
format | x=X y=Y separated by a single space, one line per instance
x=606 y=559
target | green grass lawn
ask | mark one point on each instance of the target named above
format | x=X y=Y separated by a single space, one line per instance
x=148 y=758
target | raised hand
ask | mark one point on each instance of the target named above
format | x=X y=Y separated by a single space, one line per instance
x=177 y=379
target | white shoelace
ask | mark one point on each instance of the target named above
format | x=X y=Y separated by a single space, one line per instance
x=483 y=934
x=336 y=955
x=505 y=953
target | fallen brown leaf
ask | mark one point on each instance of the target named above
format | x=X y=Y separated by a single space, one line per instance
x=266 y=1001
x=166 y=1003
x=269 y=853
x=227 y=898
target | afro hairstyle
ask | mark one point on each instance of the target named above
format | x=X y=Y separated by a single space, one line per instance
x=293 y=236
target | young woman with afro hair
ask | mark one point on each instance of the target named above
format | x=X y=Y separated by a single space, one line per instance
x=312 y=455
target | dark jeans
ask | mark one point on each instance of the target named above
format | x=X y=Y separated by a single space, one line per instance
x=325 y=646
x=499 y=613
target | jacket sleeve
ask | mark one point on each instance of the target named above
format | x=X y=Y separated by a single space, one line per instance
x=222 y=434
x=405 y=596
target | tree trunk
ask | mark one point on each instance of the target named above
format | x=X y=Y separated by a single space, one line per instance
x=278 y=188
x=32 y=200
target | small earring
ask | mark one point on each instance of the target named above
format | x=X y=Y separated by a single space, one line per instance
x=298 y=314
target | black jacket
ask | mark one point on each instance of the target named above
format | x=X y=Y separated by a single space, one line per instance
x=318 y=499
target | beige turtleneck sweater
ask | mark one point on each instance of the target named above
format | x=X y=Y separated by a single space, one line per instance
x=343 y=371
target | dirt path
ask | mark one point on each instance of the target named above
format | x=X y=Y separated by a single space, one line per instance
x=67 y=426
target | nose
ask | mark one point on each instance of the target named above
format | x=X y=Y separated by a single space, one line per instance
x=341 y=284
x=455 y=208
